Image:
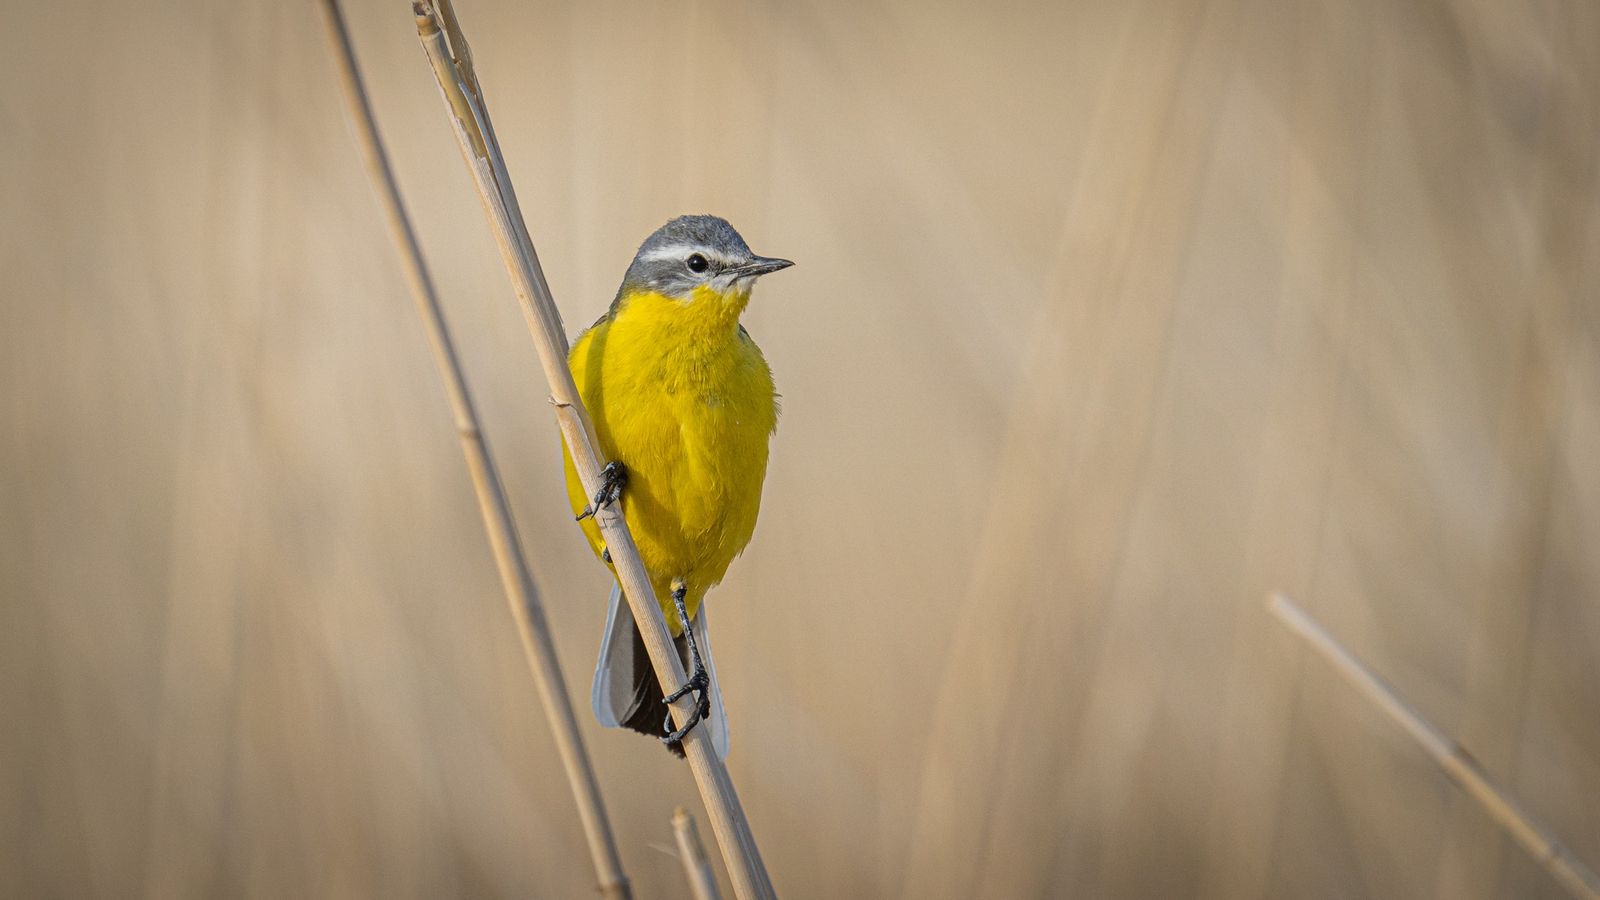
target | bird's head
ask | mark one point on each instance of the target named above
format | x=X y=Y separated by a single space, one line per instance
x=697 y=260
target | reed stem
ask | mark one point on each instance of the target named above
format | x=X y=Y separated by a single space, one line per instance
x=696 y=868
x=447 y=50
x=1453 y=758
x=521 y=594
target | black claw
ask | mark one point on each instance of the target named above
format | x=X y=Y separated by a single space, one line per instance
x=702 y=708
x=613 y=478
x=697 y=683
x=674 y=739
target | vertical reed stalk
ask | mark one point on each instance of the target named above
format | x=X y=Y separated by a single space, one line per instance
x=521 y=594
x=447 y=51
x=1453 y=758
x=696 y=868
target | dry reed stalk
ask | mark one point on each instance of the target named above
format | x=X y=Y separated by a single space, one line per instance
x=702 y=881
x=1453 y=758
x=447 y=50
x=521 y=594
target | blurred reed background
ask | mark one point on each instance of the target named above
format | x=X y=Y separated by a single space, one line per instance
x=1109 y=318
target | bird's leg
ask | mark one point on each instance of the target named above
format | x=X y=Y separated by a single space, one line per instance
x=698 y=682
x=613 y=478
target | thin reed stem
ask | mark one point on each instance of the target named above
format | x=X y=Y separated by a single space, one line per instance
x=696 y=868
x=521 y=594
x=1453 y=758
x=446 y=48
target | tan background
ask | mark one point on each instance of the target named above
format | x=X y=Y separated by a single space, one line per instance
x=1109 y=317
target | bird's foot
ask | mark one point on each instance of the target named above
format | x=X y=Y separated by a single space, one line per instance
x=613 y=478
x=699 y=683
x=697 y=686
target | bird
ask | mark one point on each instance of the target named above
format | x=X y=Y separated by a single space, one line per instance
x=684 y=408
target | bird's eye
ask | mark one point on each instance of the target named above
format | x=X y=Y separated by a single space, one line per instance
x=697 y=263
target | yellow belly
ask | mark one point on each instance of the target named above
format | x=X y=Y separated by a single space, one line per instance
x=687 y=405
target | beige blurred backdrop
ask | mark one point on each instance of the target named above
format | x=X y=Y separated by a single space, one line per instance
x=1108 y=318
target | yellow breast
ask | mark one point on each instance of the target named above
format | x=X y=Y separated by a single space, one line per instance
x=683 y=398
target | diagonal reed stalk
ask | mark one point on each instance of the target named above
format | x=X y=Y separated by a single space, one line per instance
x=447 y=50
x=1450 y=756
x=696 y=868
x=521 y=594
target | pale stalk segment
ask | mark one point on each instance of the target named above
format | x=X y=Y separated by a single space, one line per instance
x=1462 y=768
x=469 y=117
x=696 y=868
x=521 y=594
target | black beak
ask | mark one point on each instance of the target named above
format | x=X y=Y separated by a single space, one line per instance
x=758 y=265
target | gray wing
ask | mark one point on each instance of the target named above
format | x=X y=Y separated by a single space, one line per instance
x=612 y=695
x=717 y=721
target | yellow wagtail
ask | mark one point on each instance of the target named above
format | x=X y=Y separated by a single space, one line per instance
x=683 y=406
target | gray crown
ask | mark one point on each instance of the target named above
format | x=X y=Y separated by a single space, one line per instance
x=659 y=264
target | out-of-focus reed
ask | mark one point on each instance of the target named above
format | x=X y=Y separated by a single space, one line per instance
x=1453 y=759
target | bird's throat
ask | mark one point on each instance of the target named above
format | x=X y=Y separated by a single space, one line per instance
x=702 y=324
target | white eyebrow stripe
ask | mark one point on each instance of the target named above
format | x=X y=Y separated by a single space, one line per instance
x=679 y=251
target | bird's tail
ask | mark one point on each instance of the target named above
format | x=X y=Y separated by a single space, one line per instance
x=626 y=693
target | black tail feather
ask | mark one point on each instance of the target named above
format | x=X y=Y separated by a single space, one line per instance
x=648 y=713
